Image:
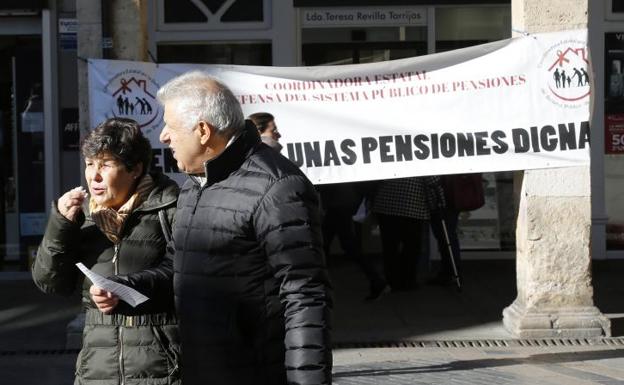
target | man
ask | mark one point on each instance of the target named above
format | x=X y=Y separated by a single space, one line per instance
x=250 y=282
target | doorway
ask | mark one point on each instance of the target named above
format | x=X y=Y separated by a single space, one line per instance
x=22 y=176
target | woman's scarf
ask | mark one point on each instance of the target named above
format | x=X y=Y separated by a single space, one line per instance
x=111 y=221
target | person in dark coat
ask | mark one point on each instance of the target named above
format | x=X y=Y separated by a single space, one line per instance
x=403 y=208
x=116 y=233
x=250 y=282
x=340 y=202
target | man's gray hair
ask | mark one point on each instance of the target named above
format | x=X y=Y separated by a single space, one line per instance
x=199 y=96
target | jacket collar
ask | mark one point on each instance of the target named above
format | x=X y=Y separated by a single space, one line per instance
x=231 y=159
x=164 y=193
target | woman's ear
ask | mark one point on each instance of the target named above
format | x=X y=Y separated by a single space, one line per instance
x=138 y=171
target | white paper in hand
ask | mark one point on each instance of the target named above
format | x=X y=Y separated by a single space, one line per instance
x=125 y=293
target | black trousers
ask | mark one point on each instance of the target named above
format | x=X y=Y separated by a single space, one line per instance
x=404 y=241
x=338 y=222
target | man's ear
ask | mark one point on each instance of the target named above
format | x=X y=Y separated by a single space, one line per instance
x=205 y=132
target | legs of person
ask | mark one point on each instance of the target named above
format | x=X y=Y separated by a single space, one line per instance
x=414 y=235
x=329 y=231
x=345 y=230
x=390 y=239
x=351 y=243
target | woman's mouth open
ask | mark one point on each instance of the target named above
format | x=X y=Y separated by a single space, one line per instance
x=98 y=190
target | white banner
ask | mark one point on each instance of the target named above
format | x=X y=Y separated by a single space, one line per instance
x=516 y=104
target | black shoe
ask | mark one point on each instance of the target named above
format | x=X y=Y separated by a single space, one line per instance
x=375 y=294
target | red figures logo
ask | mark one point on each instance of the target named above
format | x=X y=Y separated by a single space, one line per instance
x=566 y=79
x=134 y=96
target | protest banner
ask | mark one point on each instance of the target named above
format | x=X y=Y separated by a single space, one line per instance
x=516 y=104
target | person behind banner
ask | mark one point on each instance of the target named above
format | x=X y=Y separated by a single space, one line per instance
x=117 y=232
x=340 y=202
x=265 y=123
x=403 y=208
x=250 y=282
x=462 y=192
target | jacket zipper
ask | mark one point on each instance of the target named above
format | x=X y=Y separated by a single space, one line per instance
x=199 y=192
x=122 y=374
x=116 y=258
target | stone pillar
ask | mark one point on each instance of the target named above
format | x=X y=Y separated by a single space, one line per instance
x=128 y=28
x=126 y=23
x=553 y=261
x=88 y=13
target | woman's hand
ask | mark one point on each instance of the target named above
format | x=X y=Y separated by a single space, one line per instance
x=70 y=204
x=104 y=300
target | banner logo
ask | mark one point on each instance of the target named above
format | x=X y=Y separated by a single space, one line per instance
x=564 y=71
x=133 y=96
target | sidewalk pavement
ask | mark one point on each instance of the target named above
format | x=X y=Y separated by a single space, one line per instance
x=33 y=351
x=532 y=366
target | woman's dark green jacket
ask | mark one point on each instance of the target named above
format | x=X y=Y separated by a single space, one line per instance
x=133 y=345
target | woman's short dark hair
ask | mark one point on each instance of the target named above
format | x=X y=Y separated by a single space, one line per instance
x=261 y=120
x=123 y=139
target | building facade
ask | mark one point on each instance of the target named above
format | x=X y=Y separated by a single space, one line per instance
x=43 y=91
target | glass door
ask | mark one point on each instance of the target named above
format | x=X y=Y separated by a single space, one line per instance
x=22 y=206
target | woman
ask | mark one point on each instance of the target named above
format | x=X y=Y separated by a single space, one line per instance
x=265 y=123
x=117 y=234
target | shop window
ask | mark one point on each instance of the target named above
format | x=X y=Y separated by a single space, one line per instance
x=212 y=14
x=334 y=46
x=614 y=139
x=460 y=27
x=216 y=53
x=492 y=226
x=22 y=202
x=183 y=12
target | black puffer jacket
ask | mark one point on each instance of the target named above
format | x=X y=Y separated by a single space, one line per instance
x=250 y=282
x=140 y=345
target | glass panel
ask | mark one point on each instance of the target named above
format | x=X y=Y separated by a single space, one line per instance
x=217 y=53
x=22 y=206
x=493 y=225
x=182 y=11
x=334 y=46
x=614 y=139
x=249 y=10
x=460 y=27
x=213 y=5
